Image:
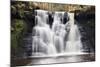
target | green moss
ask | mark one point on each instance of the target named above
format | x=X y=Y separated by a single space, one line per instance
x=19 y=28
x=19 y=25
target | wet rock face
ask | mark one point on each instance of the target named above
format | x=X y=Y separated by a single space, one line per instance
x=50 y=18
x=65 y=18
x=29 y=17
x=84 y=17
x=88 y=38
x=87 y=22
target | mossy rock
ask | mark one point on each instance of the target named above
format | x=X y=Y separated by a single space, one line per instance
x=17 y=33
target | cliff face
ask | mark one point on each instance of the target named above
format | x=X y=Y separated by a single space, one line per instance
x=50 y=6
x=62 y=7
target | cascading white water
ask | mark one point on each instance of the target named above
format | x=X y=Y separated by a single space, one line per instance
x=51 y=41
x=74 y=43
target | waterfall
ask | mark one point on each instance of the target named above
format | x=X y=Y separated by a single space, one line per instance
x=60 y=38
x=74 y=43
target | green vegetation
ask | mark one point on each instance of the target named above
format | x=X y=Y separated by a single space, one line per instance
x=18 y=30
